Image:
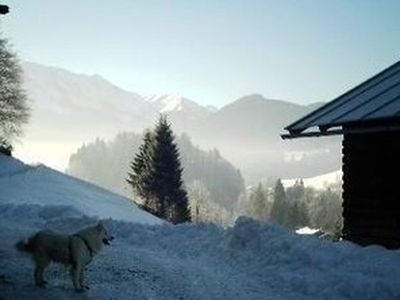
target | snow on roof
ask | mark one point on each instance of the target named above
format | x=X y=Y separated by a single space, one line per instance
x=24 y=184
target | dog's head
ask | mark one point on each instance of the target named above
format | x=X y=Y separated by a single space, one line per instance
x=103 y=233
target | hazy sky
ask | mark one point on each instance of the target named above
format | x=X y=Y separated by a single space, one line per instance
x=212 y=51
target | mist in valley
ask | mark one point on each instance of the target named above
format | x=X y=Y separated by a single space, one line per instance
x=72 y=109
x=92 y=129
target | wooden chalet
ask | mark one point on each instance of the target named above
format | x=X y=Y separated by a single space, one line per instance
x=368 y=117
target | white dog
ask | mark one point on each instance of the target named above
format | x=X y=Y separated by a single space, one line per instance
x=76 y=250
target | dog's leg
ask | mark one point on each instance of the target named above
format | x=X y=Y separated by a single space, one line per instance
x=82 y=280
x=40 y=266
x=76 y=271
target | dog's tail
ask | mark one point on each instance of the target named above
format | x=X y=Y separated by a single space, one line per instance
x=24 y=245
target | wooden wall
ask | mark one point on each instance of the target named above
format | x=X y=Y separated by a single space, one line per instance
x=371 y=188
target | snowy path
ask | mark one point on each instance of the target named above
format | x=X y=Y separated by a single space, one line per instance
x=249 y=261
x=145 y=262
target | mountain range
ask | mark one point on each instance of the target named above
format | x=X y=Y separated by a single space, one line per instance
x=69 y=109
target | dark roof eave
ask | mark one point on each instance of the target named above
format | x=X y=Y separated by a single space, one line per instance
x=333 y=104
x=346 y=129
x=294 y=135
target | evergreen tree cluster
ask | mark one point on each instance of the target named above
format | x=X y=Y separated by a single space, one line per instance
x=325 y=208
x=259 y=204
x=224 y=182
x=289 y=207
x=205 y=173
x=297 y=206
x=156 y=175
x=106 y=163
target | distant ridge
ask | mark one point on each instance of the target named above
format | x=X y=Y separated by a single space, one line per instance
x=70 y=109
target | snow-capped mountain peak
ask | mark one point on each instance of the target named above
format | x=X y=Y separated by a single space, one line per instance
x=168 y=103
x=175 y=103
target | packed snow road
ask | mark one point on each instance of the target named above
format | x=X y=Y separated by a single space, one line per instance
x=198 y=261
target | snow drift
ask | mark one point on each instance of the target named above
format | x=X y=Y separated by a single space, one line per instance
x=250 y=260
x=200 y=261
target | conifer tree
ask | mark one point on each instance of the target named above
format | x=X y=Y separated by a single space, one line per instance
x=303 y=215
x=157 y=175
x=279 y=212
x=167 y=175
x=140 y=176
x=297 y=215
x=259 y=206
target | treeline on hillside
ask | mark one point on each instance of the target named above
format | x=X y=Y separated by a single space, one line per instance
x=213 y=184
x=296 y=206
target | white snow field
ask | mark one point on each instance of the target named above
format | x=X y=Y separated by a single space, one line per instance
x=318 y=182
x=150 y=259
x=21 y=183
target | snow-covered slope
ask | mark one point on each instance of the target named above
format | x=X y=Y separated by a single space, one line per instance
x=188 y=261
x=24 y=184
x=59 y=90
x=318 y=182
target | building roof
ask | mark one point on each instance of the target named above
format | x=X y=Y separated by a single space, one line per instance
x=375 y=100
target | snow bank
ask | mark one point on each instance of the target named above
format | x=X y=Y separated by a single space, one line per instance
x=154 y=260
x=24 y=184
x=307 y=230
x=201 y=261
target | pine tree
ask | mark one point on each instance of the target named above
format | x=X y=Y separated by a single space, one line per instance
x=167 y=174
x=279 y=211
x=14 y=111
x=157 y=175
x=297 y=191
x=296 y=207
x=297 y=216
x=259 y=206
x=140 y=178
